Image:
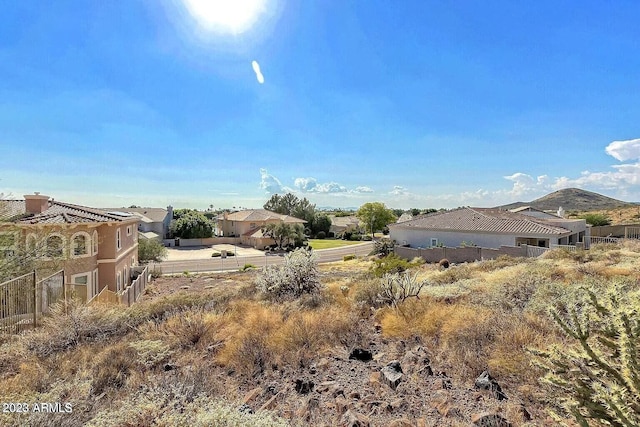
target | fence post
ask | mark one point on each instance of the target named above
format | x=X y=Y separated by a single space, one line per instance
x=35 y=295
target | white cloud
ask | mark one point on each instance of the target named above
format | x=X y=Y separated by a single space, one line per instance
x=624 y=150
x=271 y=184
x=363 y=189
x=256 y=69
x=305 y=184
x=331 y=187
x=399 y=190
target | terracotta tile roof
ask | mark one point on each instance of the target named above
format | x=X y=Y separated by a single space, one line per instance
x=62 y=213
x=10 y=209
x=260 y=215
x=482 y=220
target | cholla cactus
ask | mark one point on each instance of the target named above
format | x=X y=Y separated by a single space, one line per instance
x=598 y=377
x=299 y=275
x=396 y=288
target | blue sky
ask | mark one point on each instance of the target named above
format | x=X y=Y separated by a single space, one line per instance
x=412 y=103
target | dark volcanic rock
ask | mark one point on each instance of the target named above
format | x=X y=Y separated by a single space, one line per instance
x=487 y=382
x=360 y=354
x=392 y=374
x=304 y=386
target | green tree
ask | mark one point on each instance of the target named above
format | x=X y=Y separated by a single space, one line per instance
x=284 y=233
x=192 y=225
x=322 y=222
x=375 y=216
x=290 y=204
x=596 y=219
x=151 y=250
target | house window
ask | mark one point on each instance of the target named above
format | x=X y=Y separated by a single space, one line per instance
x=80 y=244
x=119 y=282
x=55 y=245
x=434 y=242
x=118 y=240
x=80 y=279
x=94 y=282
x=95 y=242
x=129 y=230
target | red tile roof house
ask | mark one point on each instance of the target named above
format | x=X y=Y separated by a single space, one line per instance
x=487 y=228
x=97 y=249
x=247 y=225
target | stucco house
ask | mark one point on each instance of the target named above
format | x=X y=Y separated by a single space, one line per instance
x=488 y=228
x=342 y=224
x=96 y=249
x=247 y=225
x=154 y=222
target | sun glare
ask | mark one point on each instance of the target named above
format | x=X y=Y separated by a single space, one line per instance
x=226 y=16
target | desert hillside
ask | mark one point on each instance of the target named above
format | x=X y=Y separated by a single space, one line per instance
x=480 y=346
x=573 y=199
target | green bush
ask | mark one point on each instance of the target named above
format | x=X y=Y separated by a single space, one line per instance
x=596 y=219
x=355 y=237
x=389 y=265
x=151 y=250
x=248 y=267
x=216 y=254
x=321 y=235
x=348 y=257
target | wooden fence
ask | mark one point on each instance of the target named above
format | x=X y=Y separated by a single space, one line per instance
x=24 y=300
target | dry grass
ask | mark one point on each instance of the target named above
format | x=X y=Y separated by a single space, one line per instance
x=474 y=316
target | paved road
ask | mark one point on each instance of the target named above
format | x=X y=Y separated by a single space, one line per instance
x=235 y=263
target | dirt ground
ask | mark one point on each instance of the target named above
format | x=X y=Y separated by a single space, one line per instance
x=204 y=252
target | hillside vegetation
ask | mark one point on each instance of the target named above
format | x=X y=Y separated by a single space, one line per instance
x=573 y=199
x=558 y=336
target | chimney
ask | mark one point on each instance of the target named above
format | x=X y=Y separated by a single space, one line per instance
x=169 y=211
x=36 y=203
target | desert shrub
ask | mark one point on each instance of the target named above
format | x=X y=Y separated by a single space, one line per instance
x=112 y=367
x=396 y=288
x=168 y=407
x=151 y=353
x=188 y=327
x=248 y=267
x=452 y=275
x=366 y=294
x=389 y=264
x=216 y=254
x=77 y=323
x=348 y=257
x=298 y=276
x=579 y=255
x=366 y=238
x=321 y=235
x=245 y=333
x=502 y=261
x=443 y=263
x=597 y=376
x=596 y=219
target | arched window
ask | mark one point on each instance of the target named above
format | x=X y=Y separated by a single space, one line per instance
x=55 y=246
x=80 y=244
x=94 y=240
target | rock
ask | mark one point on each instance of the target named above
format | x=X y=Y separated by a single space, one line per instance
x=185 y=287
x=489 y=419
x=355 y=395
x=487 y=382
x=374 y=378
x=402 y=422
x=251 y=395
x=169 y=367
x=304 y=386
x=245 y=409
x=418 y=361
x=360 y=354
x=392 y=374
x=325 y=386
x=354 y=419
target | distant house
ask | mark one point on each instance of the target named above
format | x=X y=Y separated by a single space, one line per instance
x=247 y=225
x=96 y=249
x=489 y=228
x=342 y=224
x=405 y=217
x=154 y=222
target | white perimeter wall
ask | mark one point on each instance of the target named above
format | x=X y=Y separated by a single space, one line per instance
x=422 y=238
